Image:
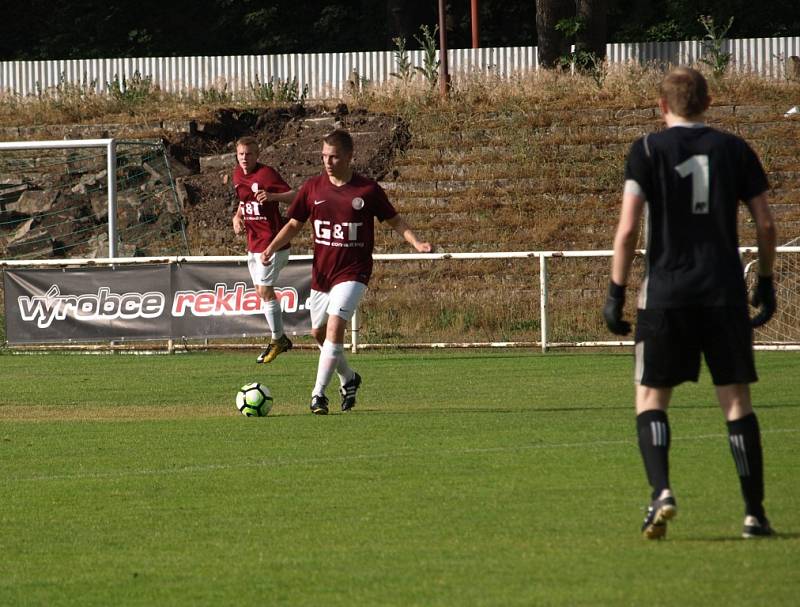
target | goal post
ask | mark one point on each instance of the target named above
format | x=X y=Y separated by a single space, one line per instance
x=784 y=326
x=110 y=146
x=89 y=198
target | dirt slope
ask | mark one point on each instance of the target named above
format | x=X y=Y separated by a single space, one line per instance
x=290 y=141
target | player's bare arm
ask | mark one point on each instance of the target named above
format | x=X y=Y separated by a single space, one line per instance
x=401 y=226
x=767 y=239
x=624 y=251
x=284 y=197
x=766 y=233
x=283 y=238
x=625 y=237
x=238 y=222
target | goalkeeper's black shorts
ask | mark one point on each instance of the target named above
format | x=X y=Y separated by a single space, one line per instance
x=669 y=343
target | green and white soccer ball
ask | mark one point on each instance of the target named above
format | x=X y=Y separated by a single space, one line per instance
x=254 y=400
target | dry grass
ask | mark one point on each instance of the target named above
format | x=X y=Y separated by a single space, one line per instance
x=538 y=96
x=621 y=86
x=83 y=106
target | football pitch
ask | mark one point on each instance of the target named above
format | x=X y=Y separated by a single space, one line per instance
x=461 y=478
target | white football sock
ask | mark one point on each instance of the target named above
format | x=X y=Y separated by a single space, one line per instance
x=329 y=357
x=274 y=317
x=343 y=370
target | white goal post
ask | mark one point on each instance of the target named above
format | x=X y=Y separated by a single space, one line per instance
x=111 y=168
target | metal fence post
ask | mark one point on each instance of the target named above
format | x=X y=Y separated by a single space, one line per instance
x=111 y=168
x=355 y=321
x=543 y=299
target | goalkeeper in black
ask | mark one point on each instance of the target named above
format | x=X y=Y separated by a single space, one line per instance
x=687 y=181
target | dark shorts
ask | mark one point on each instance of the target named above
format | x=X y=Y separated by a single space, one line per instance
x=669 y=343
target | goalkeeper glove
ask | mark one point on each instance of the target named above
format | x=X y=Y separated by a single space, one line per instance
x=764 y=298
x=612 y=310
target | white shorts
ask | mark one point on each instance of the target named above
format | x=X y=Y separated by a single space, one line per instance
x=341 y=301
x=266 y=275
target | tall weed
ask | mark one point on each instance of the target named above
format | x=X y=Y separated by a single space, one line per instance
x=132 y=91
x=430 y=57
x=276 y=90
x=713 y=42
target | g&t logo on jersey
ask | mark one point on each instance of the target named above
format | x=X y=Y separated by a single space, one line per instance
x=252 y=211
x=337 y=234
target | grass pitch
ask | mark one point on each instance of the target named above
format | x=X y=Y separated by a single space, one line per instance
x=461 y=478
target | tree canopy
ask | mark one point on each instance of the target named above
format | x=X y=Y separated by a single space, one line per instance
x=40 y=29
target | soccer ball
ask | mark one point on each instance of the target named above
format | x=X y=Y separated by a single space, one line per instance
x=254 y=400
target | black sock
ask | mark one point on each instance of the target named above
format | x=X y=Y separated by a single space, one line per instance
x=654 y=438
x=745 y=441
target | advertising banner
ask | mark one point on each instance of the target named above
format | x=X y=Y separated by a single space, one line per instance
x=218 y=300
x=158 y=301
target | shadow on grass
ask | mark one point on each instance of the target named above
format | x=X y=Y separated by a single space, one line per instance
x=780 y=535
x=462 y=410
x=489 y=354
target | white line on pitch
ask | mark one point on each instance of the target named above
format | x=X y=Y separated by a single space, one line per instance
x=363 y=456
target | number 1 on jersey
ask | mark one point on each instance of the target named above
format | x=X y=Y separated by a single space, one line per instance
x=697 y=167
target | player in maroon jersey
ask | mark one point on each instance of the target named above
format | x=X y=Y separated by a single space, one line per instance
x=259 y=189
x=342 y=207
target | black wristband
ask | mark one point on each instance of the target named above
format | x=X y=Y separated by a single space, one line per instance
x=616 y=291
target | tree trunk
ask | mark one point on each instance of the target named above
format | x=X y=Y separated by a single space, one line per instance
x=552 y=44
x=592 y=37
x=397 y=25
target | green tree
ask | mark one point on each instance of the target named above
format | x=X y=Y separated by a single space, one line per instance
x=40 y=29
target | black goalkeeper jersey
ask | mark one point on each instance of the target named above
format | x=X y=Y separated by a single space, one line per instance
x=693 y=178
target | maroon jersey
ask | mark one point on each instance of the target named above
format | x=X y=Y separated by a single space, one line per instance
x=262 y=220
x=343 y=220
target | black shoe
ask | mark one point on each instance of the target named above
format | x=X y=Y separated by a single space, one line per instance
x=348 y=392
x=319 y=404
x=756 y=527
x=659 y=512
x=275 y=347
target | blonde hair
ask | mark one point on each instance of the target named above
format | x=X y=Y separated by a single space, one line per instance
x=247 y=141
x=685 y=91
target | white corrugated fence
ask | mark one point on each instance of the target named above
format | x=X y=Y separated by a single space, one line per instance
x=326 y=75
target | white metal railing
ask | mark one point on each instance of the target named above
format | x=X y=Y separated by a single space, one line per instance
x=327 y=75
x=355 y=345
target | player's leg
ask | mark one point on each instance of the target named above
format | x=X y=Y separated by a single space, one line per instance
x=264 y=278
x=319 y=325
x=729 y=355
x=343 y=300
x=343 y=370
x=744 y=437
x=665 y=356
x=348 y=296
x=330 y=355
x=654 y=437
x=653 y=431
